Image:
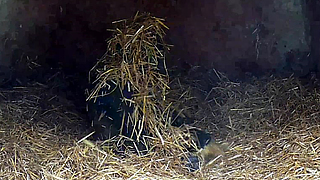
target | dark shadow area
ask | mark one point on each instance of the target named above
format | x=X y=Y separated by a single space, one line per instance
x=60 y=54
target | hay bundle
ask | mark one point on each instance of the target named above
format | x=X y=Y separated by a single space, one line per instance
x=135 y=62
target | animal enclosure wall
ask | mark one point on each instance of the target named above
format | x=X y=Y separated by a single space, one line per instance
x=233 y=36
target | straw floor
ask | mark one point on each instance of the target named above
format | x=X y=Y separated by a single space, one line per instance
x=271 y=126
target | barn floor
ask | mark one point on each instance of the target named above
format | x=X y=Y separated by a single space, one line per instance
x=270 y=124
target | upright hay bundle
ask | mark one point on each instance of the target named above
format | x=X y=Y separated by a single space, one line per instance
x=131 y=78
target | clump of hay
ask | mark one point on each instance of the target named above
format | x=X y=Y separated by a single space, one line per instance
x=135 y=60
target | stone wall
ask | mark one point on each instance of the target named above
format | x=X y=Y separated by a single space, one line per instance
x=238 y=37
x=4 y=27
x=241 y=37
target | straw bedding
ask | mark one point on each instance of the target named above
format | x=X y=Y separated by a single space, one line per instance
x=267 y=128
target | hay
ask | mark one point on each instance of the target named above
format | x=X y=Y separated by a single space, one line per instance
x=264 y=128
x=271 y=126
x=35 y=144
x=132 y=60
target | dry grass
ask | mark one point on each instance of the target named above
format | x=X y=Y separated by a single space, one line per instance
x=39 y=141
x=134 y=55
x=135 y=61
x=271 y=126
x=272 y=129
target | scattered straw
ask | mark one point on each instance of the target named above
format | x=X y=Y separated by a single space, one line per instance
x=275 y=135
x=271 y=125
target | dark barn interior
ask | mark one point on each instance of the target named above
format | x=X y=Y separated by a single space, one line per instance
x=218 y=48
x=68 y=37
